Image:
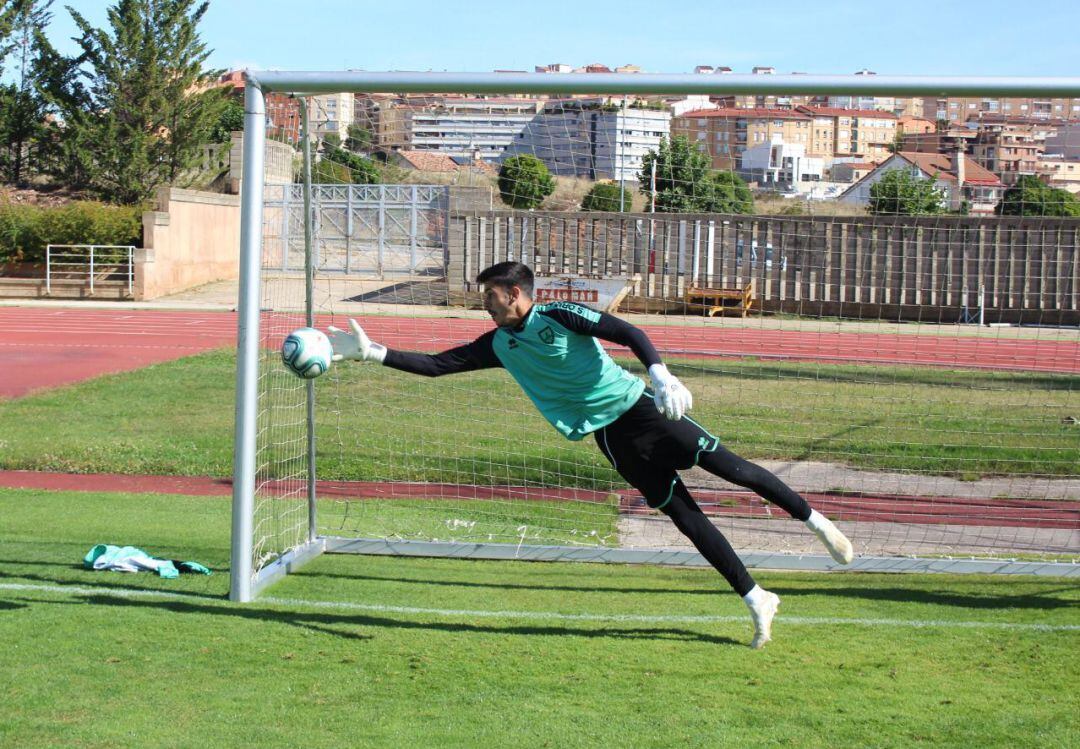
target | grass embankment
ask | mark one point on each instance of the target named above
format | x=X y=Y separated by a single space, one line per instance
x=376 y=423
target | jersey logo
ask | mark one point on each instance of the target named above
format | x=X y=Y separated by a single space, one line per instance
x=547 y=335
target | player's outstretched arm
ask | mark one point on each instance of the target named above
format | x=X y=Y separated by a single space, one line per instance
x=355 y=344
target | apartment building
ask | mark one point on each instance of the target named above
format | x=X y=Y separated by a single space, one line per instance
x=330 y=114
x=1065 y=140
x=959 y=109
x=1009 y=149
x=859 y=132
x=1057 y=171
x=724 y=134
x=594 y=138
x=463 y=127
x=282 y=111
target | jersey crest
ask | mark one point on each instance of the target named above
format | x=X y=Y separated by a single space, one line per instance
x=547 y=335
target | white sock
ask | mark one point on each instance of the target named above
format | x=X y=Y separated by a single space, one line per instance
x=755 y=596
x=816 y=521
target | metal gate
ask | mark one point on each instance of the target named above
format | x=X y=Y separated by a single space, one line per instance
x=374 y=230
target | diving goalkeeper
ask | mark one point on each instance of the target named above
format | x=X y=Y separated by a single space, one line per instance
x=552 y=352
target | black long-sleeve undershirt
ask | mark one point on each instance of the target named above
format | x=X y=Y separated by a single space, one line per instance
x=480 y=354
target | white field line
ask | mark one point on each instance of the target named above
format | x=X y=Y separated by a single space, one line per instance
x=811 y=621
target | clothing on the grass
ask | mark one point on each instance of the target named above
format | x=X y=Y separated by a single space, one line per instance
x=132 y=559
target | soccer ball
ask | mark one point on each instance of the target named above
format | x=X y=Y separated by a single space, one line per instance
x=307 y=353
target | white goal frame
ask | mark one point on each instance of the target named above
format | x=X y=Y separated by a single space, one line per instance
x=246 y=584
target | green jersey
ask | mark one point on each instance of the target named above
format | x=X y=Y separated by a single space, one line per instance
x=555 y=357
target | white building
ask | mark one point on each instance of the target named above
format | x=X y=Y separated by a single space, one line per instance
x=330 y=114
x=781 y=165
x=593 y=138
x=466 y=128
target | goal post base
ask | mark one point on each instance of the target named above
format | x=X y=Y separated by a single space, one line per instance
x=287 y=563
x=680 y=558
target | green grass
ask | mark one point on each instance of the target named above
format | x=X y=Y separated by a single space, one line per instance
x=378 y=423
x=86 y=666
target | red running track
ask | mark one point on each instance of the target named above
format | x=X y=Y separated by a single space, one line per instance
x=888 y=508
x=44 y=348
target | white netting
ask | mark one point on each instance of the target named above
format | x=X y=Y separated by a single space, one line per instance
x=906 y=359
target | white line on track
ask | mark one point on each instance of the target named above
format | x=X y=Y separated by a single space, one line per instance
x=812 y=621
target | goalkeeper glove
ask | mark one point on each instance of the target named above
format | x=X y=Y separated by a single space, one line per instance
x=355 y=344
x=672 y=398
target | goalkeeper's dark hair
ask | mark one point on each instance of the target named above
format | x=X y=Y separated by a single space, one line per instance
x=508 y=274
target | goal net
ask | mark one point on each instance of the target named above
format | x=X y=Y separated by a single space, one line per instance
x=865 y=294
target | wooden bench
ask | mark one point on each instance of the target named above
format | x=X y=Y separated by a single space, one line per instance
x=719 y=301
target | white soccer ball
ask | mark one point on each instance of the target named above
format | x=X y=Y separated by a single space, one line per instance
x=307 y=353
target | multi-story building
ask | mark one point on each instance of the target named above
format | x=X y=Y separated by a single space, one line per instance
x=1065 y=140
x=1008 y=149
x=1057 y=171
x=959 y=109
x=465 y=127
x=282 y=111
x=859 y=132
x=780 y=165
x=951 y=140
x=330 y=114
x=594 y=138
x=724 y=134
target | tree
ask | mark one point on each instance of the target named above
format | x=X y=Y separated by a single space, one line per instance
x=360 y=138
x=229 y=121
x=728 y=194
x=524 y=182
x=362 y=171
x=605 y=196
x=685 y=184
x=23 y=105
x=899 y=192
x=1030 y=196
x=135 y=103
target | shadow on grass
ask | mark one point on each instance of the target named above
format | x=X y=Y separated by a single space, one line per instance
x=1041 y=600
x=514 y=586
x=78 y=576
x=331 y=624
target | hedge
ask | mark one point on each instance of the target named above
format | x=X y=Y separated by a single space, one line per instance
x=25 y=229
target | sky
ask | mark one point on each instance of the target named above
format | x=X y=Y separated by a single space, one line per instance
x=890 y=37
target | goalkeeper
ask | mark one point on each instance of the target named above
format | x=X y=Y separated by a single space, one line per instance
x=552 y=352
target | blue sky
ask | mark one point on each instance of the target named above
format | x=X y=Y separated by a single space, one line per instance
x=974 y=37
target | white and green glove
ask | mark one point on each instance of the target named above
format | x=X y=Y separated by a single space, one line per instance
x=672 y=398
x=355 y=344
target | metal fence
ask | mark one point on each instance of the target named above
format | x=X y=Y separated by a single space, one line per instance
x=927 y=268
x=91 y=263
x=363 y=229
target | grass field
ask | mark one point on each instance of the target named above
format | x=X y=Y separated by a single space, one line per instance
x=967 y=424
x=388 y=652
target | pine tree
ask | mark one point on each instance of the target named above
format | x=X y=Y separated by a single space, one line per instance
x=137 y=110
x=23 y=105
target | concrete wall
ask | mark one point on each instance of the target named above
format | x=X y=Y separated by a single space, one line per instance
x=192 y=238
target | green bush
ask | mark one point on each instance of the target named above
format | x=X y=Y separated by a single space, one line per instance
x=25 y=230
x=605 y=197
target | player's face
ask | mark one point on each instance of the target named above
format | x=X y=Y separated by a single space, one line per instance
x=502 y=304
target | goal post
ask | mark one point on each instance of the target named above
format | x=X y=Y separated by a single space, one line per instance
x=852 y=336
